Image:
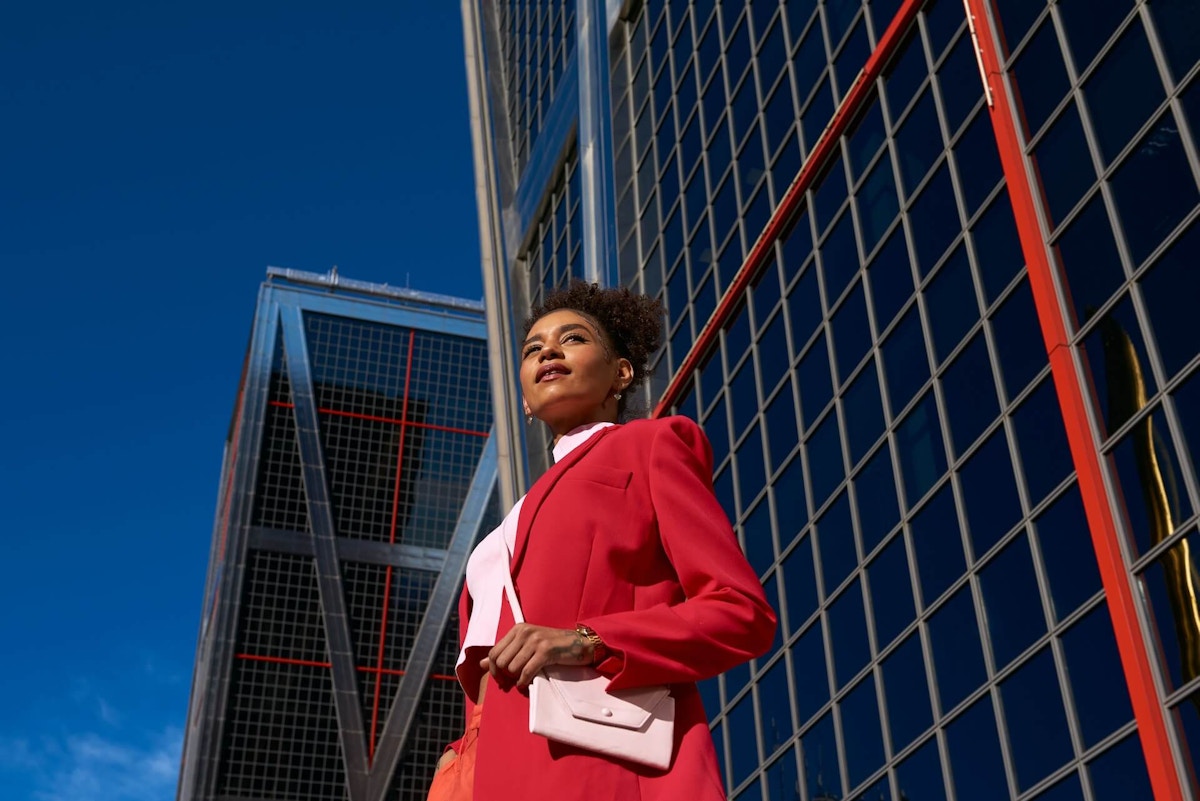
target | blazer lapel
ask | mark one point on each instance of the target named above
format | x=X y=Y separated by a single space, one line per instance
x=541 y=488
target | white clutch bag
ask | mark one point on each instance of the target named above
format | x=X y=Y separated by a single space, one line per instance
x=570 y=704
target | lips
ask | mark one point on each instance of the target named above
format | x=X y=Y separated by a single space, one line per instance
x=551 y=371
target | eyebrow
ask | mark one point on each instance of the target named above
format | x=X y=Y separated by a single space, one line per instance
x=561 y=329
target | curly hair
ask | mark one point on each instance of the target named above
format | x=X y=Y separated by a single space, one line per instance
x=631 y=323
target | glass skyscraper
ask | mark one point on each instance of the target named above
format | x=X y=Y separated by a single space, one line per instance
x=358 y=471
x=930 y=271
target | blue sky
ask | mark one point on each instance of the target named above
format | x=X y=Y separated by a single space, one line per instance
x=154 y=159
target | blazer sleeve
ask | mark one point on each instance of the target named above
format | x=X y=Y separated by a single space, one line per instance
x=725 y=619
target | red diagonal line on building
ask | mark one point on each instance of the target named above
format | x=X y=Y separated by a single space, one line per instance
x=392 y=420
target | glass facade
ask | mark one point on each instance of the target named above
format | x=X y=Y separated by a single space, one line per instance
x=356 y=478
x=928 y=270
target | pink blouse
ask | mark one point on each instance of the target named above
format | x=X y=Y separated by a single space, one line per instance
x=485 y=576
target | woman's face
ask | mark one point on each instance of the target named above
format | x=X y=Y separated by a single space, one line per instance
x=568 y=374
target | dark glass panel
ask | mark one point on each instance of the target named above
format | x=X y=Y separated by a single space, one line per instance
x=878 y=204
x=766 y=292
x=906 y=687
x=905 y=74
x=905 y=363
x=1068 y=789
x=1036 y=722
x=835 y=543
x=1064 y=164
x=839 y=257
x=882 y=12
x=934 y=219
x=1120 y=368
x=782 y=433
x=1097 y=681
x=978 y=160
x=990 y=493
x=1123 y=91
x=1040 y=77
x=824 y=449
x=970 y=394
x=723 y=488
x=804 y=307
x=851 y=332
x=922 y=454
x=783 y=779
x=779 y=116
x=703 y=305
x=772 y=49
x=743 y=744
x=943 y=18
x=1089 y=24
x=752 y=471
x=958 y=77
x=1154 y=188
x=1187 y=406
x=818 y=749
x=737 y=335
x=1168 y=585
x=1178 y=26
x=828 y=197
x=1042 y=440
x=863 y=412
x=890 y=276
x=838 y=16
x=811 y=678
x=957 y=654
x=997 y=248
x=775 y=707
x=951 y=304
x=860 y=731
x=817 y=115
x=743 y=397
x=816 y=382
x=853 y=55
x=848 y=634
x=918 y=143
x=791 y=511
x=919 y=777
x=1151 y=482
x=875 y=498
x=1169 y=290
x=718 y=737
x=866 y=138
x=800 y=584
x=1067 y=555
x=756 y=537
x=743 y=110
x=716 y=426
x=710 y=694
x=1013 y=601
x=1119 y=774
x=937 y=545
x=1018 y=337
x=808 y=63
x=708 y=50
x=786 y=166
x=1088 y=256
x=891 y=591
x=1187 y=726
x=975 y=759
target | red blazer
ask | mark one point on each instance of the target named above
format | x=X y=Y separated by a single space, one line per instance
x=625 y=535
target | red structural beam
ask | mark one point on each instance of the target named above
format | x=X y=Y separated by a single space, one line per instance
x=283 y=660
x=392 y=420
x=852 y=103
x=1020 y=176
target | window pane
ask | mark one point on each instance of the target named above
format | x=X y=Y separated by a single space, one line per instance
x=1045 y=455
x=1064 y=164
x=875 y=497
x=950 y=303
x=970 y=394
x=938 y=545
x=1035 y=720
x=1013 y=601
x=920 y=775
x=1123 y=91
x=812 y=684
x=1067 y=553
x=990 y=493
x=957 y=655
x=1120 y=772
x=863 y=412
x=891 y=591
x=1097 y=682
x=860 y=731
x=975 y=759
x=800 y=584
x=1168 y=288
x=1018 y=338
x=1168 y=585
x=1088 y=256
x=818 y=749
x=907 y=690
x=835 y=543
x=922 y=455
x=905 y=363
x=1041 y=77
x=848 y=634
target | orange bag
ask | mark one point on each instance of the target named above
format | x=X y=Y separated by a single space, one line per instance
x=456 y=781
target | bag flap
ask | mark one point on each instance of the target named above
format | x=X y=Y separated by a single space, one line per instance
x=582 y=690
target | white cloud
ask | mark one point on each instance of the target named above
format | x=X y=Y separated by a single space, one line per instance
x=90 y=767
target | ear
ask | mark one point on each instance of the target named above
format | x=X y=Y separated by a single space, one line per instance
x=624 y=375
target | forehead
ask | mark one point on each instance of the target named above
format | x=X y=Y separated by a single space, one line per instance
x=558 y=319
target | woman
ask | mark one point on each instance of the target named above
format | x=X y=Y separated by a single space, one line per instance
x=622 y=559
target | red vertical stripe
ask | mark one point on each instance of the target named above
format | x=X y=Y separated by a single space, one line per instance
x=1072 y=398
x=387 y=584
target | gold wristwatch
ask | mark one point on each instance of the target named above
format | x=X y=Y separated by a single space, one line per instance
x=599 y=649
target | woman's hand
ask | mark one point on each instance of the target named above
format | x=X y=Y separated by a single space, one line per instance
x=526 y=649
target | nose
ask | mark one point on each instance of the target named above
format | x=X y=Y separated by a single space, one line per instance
x=549 y=350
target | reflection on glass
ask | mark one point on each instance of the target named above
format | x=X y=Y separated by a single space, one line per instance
x=819 y=749
x=1126 y=391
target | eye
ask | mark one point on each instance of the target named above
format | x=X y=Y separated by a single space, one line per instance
x=530 y=350
x=574 y=338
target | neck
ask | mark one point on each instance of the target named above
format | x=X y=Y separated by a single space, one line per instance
x=561 y=429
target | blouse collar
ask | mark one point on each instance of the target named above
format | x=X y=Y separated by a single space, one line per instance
x=576 y=437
